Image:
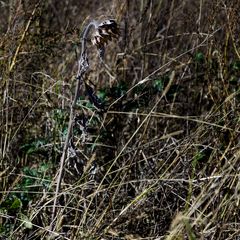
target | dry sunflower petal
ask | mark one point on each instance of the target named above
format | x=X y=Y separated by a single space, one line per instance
x=104 y=32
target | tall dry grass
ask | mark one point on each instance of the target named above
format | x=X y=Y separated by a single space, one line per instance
x=162 y=162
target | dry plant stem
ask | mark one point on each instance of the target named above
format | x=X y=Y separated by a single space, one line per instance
x=82 y=68
x=13 y=62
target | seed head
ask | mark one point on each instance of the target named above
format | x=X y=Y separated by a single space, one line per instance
x=104 y=32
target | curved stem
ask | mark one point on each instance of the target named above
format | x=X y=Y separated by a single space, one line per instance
x=82 y=68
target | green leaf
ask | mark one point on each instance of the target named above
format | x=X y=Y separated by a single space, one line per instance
x=158 y=84
x=236 y=65
x=43 y=167
x=199 y=57
x=17 y=203
x=102 y=94
x=33 y=146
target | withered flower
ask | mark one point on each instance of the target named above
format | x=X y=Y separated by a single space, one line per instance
x=104 y=32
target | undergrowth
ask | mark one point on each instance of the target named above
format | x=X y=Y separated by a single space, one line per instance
x=156 y=130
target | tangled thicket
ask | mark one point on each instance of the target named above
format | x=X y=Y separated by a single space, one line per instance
x=154 y=152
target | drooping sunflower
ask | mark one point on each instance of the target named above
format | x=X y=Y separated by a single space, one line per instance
x=105 y=31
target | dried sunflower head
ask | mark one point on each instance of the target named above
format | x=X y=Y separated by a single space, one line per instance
x=104 y=32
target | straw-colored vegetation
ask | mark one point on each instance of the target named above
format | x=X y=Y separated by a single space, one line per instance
x=154 y=146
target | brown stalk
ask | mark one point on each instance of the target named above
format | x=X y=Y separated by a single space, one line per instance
x=111 y=30
x=82 y=68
